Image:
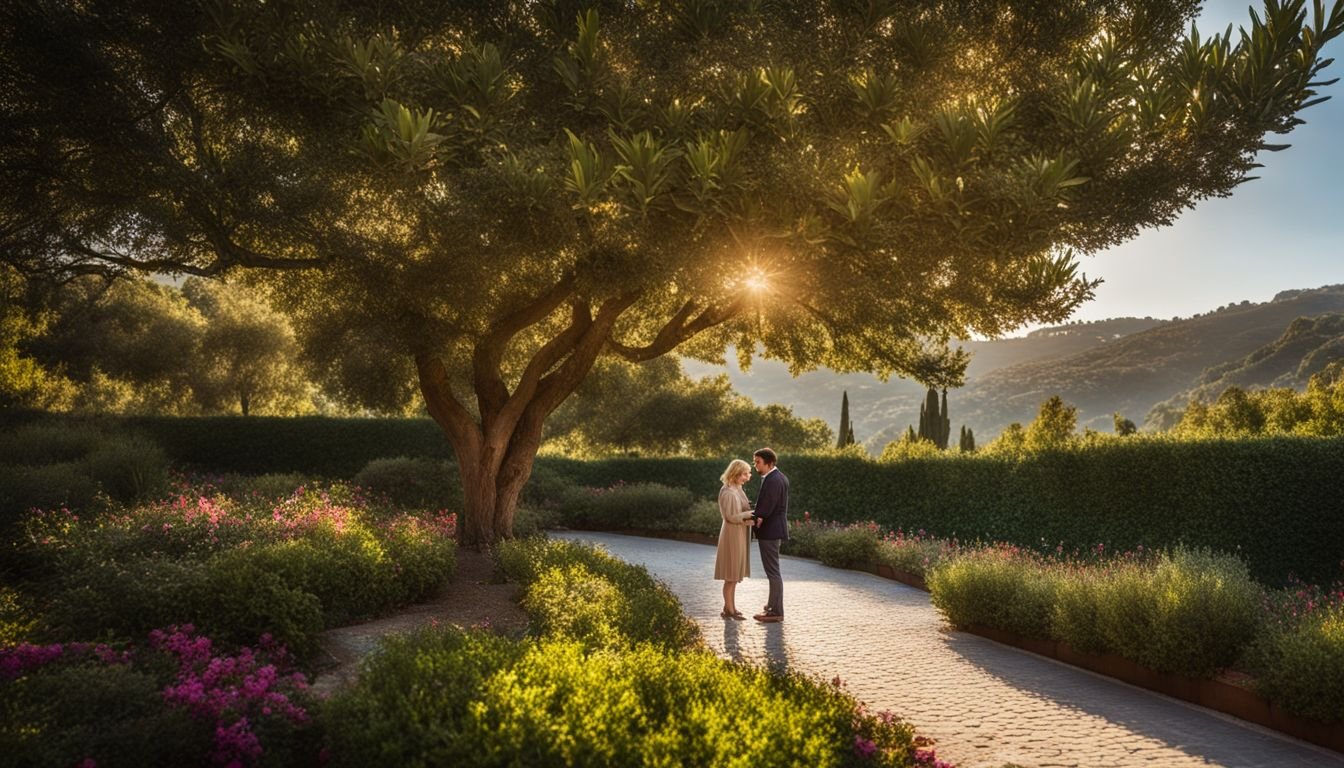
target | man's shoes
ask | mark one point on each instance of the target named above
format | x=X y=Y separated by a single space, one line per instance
x=768 y=617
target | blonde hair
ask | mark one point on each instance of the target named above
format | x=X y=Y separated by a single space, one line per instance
x=735 y=468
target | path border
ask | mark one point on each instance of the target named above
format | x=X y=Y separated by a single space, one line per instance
x=1229 y=693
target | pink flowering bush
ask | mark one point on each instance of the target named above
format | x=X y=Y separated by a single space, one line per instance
x=1298 y=659
x=177 y=700
x=235 y=564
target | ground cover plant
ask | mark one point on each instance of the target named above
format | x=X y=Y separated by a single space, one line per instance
x=613 y=675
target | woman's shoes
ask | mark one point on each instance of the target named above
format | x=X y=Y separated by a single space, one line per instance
x=739 y=616
x=732 y=615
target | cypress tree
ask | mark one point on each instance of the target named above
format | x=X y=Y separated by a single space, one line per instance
x=934 y=425
x=944 y=424
x=967 y=439
x=846 y=431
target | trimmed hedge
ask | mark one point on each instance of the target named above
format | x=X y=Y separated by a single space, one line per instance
x=1273 y=501
x=253 y=445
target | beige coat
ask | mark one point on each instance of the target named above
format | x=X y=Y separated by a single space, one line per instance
x=732 y=562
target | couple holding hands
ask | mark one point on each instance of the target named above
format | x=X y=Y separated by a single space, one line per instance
x=770 y=519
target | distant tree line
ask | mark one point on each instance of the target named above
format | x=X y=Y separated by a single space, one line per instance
x=210 y=348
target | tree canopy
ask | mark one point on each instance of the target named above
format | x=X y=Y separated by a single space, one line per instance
x=480 y=199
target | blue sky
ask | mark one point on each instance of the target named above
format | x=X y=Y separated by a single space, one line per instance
x=1283 y=230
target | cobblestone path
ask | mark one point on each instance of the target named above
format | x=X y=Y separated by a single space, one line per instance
x=986 y=704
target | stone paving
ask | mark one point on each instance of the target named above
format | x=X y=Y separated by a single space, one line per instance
x=986 y=704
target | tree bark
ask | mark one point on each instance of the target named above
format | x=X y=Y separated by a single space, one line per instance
x=495 y=451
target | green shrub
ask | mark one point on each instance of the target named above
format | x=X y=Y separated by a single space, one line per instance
x=347 y=570
x=531 y=521
x=423 y=560
x=804 y=540
x=111 y=599
x=702 y=517
x=233 y=597
x=239 y=601
x=572 y=602
x=269 y=487
x=411 y=704
x=915 y=554
x=49 y=442
x=441 y=697
x=1075 y=618
x=63 y=715
x=853 y=546
x=129 y=468
x=46 y=487
x=641 y=505
x=995 y=587
x=548 y=487
x=1300 y=663
x=639 y=608
x=1192 y=612
x=413 y=482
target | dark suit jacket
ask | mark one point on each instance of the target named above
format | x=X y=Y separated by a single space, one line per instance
x=772 y=507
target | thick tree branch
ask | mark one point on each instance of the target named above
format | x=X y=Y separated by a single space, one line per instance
x=491 y=392
x=237 y=256
x=444 y=407
x=560 y=383
x=542 y=362
x=677 y=330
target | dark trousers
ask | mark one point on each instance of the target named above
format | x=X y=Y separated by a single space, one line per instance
x=770 y=562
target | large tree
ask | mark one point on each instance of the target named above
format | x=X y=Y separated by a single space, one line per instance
x=484 y=197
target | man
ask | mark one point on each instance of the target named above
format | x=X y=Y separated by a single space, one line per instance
x=772 y=528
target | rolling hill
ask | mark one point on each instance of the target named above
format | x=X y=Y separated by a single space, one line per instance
x=1125 y=365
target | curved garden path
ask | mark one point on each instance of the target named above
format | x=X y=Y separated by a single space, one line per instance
x=986 y=704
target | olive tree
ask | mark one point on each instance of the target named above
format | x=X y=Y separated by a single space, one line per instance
x=470 y=203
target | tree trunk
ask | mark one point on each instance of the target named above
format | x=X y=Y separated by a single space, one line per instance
x=491 y=487
x=497 y=446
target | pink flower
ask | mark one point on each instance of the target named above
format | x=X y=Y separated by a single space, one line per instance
x=864 y=748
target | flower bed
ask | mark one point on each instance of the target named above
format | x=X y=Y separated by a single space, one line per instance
x=614 y=675
x=236 y=564
x=178 y=699
x=1171 y=621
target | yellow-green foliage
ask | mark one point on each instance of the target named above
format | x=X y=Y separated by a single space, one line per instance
x=998 y=587
x=1319 y=411
x=1298 y=660
x=1186 y=611
x=582 y=593
x=441 y=697
x=613 y=677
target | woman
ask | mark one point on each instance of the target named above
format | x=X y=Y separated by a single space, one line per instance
x=731 y=564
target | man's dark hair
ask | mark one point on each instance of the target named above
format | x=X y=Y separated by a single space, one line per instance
x=768 y=456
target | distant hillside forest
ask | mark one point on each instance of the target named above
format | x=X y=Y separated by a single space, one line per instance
x=1145 y=369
